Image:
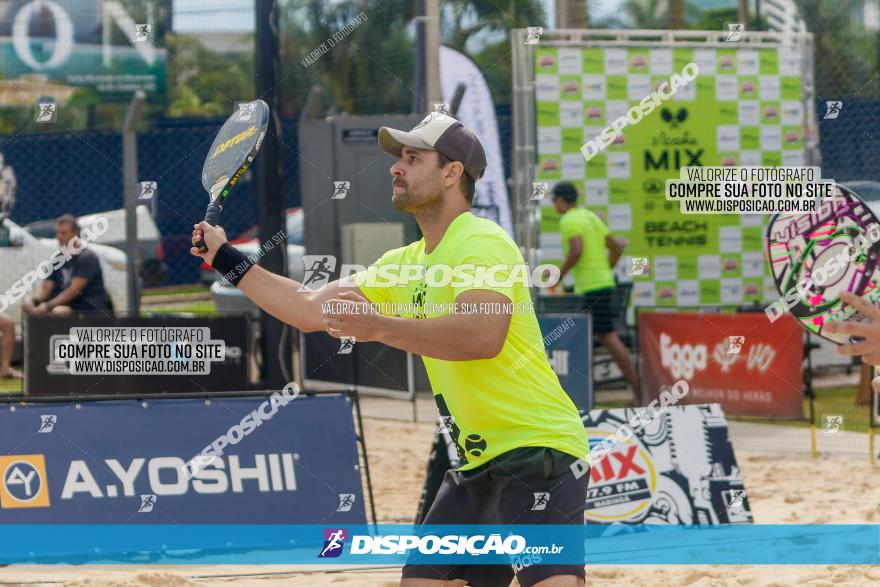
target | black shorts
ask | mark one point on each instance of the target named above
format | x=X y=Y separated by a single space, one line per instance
x=502 y=491
x=603 y=307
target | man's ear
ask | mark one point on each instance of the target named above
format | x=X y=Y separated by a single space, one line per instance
x=454 y=173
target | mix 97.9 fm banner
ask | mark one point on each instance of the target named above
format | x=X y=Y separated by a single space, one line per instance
x=741 y=361
x=676 y=467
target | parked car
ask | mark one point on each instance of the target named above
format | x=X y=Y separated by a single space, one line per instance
x=228 y=299
x=866 y=189
x=22 y=253
x=153 y=268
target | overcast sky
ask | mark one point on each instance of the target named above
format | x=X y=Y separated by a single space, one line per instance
x=213 y=15
x=238 y=15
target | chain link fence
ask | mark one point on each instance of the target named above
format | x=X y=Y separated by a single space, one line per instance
x=850 y=156
x=58 y=166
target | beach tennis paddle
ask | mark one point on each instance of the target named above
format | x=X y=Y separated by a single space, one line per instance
x=828 y=251
x=232 y=152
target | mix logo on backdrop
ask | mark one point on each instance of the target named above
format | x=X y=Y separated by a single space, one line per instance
x=623 y=486
x=640 y=419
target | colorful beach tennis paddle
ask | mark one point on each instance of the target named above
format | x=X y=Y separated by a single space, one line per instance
x=832 y=250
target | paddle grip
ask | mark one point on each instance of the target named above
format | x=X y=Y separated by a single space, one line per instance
x=212 y=215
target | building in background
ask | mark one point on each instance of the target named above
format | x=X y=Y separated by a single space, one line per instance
x=7 y=187
x=868 y=12
x=91 y=43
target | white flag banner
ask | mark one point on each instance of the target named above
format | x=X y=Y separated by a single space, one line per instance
x=477 y=112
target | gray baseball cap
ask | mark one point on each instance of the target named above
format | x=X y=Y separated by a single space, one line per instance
x=442 y=133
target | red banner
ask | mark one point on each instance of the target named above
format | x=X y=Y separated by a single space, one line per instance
x=741 y=361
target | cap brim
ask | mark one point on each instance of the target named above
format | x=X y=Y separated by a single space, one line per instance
x=392 y=141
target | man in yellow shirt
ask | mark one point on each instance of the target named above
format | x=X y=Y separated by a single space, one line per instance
x=454 y=298
x=590 y=253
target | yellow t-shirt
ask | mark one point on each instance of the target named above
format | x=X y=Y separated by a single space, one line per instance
x=592 y=270
x=509 y=401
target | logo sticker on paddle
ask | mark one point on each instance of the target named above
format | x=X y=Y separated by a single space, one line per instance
x=815 y=257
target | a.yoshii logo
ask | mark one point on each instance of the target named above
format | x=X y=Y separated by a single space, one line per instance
x=23 y=482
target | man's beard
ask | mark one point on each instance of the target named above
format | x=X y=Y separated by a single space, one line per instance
x=405 y=201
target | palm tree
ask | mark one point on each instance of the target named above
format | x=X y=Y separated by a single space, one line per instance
x=744 y=11
x=188 y=104
x=842 y=48
x=571 y=14
x=646 y=14
x=676 y=14
x=470 y=17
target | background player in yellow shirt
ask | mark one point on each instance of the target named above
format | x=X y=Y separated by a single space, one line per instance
x=590 y=253
x=516 y=431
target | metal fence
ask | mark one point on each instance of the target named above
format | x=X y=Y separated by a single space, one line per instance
x=81 y=173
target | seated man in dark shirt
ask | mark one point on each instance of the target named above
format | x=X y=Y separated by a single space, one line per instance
x=75 y=287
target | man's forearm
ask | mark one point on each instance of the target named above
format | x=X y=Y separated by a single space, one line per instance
x=614 y=255
x=570 y=261
x=455 y=337
x=283 y=298
x=64 y=298
x=43 y=293
x=613 y=258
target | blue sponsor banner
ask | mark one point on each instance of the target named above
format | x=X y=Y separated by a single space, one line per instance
x=568 y=342
x=125 y=462
x=744 y=544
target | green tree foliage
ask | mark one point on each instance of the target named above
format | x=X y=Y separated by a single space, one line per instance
x=845 y=58
x=716 y=19
x=371 y=70
x=367 y=71
x=647 y=14
x=482 y=28
x=661 y=14
x=202 y=83
x=465 y=19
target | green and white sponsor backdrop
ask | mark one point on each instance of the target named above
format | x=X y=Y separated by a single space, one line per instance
x=747 y=106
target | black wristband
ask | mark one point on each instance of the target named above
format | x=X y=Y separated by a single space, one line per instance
x=231 y=263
